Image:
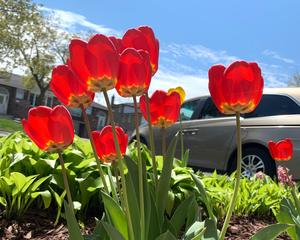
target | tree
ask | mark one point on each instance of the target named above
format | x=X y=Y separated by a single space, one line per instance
x=30 y=41
x=294 y=81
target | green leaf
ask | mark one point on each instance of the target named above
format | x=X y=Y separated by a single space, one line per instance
x=285 y=216
x=46 y=196
x=180 y=214
x=116 y=214
x=133 y=206
x=112 y=232
x=73 y=227
x=37 y=183
x=185 y=158
x=170 y=202
x=194 y=231
x=166 y=236
x=203 y=195
x=98 y=233
x=211 y=231
x=21 y=182
x=76 y=205
x=165 y=177
x=271 y=232
x=133 y=171
x=192 y=214
x=155 y=223
x=3 y=201
x=59 y=199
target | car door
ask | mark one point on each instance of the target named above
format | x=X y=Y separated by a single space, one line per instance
x=207 y=133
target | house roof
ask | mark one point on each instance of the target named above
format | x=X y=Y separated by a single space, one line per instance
x=98 y=105
x=16 y=81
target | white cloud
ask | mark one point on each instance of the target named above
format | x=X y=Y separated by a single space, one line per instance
x=198 y=52
x=73 y=22
x=194 y=85
x=275 y=55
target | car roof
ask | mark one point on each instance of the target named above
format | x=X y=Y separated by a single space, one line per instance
x=294 y=92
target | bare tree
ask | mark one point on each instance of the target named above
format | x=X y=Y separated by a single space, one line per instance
x=294 y=81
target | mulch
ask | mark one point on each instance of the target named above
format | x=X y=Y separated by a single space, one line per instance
x=37 y=225
x=243 y=227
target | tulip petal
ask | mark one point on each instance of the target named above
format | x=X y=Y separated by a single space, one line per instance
x=61 y=126
x=117 y=43
x=134 y=73
x=105 y=60
x=105 y=145
x=34 y=136
x=164 y=108
x=38 y=118
x=281 y=150
x=215 y=75
x=69 y=89
x=77 y=62
x=143 y=38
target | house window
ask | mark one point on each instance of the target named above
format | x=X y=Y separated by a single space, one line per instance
x=20 y=94
x=49 y=101
x=89 y=110
x=32 y=99
x=101 y=122
x=76 y=112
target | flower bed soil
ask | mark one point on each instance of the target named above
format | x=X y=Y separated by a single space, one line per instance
x=40 y=226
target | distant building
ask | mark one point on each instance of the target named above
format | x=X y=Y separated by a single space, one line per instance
x=124 y=116
x=16 y=100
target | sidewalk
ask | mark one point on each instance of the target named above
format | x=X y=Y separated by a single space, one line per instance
x=3 y=133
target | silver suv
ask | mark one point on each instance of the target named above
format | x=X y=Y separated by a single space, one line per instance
x=210 y=135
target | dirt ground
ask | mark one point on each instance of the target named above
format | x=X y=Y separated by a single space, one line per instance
x=39 y=226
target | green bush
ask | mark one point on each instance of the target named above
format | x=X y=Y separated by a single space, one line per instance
x=20 y=157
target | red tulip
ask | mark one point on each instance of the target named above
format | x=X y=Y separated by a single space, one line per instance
x=282 y=150
x=105 y=145
x=50 y=129
x=143 y=38
x=237 y=88
x=118 y=43
x=97 y=62
x=164 y=108
x=134 y=73
x=69 y=88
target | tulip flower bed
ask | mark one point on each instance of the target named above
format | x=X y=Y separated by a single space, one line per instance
x=258 y=202
x=137 y=195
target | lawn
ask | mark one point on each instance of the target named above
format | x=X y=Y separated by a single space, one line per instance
x=9 y=125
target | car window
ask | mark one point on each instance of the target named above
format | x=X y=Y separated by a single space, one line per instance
x=189 y=110
x=210 y=110
x=271 y=105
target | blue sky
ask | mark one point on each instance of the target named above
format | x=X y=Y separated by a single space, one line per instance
x=196 y=34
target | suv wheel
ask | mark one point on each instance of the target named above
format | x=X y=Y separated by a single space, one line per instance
x=255 y=160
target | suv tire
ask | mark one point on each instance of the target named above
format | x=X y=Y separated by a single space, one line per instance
x=255 y=159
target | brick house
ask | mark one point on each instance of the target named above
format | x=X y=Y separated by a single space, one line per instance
x=16 y=100
x=124 y=116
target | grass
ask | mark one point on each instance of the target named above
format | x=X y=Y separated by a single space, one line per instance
x=9 y=125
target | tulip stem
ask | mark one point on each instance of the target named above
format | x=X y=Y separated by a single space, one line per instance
x=140 y=168
x=65 y=179
x=237 y=177
x=89 y=131
x=164 y=142
x=120 y=163
x=151 y=138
